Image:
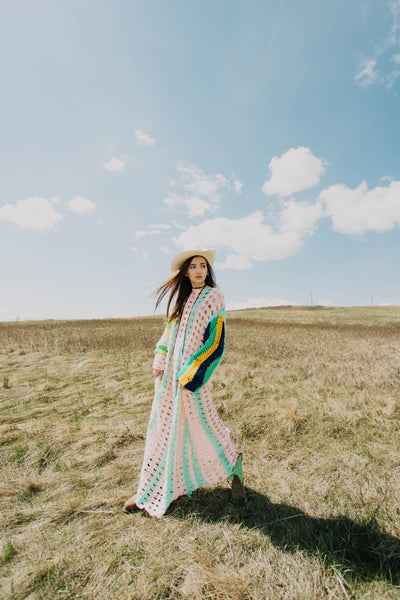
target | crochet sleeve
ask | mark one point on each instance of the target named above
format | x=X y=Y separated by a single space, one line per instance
x=160 y=353
x=202 y=364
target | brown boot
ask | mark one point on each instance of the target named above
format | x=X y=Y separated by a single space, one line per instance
x=238 y=493
x=130 y=506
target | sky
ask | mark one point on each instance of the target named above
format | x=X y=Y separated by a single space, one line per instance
x=130 y=131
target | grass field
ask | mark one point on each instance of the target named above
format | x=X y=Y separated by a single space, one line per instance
x=311 y=397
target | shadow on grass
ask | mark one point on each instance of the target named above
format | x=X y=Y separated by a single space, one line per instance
x=359 y=550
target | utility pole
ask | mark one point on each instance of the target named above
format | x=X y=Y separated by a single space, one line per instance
x=312 y=304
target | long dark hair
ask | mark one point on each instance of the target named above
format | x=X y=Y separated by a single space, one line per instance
x=179 y=285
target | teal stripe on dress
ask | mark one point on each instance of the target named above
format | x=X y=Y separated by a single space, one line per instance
x=200 y=479
x=196 y=464
x=169 y=464
x=150 y=487
x=190 y=486
x=211 y=435
x=166 y=453
x=172 y=448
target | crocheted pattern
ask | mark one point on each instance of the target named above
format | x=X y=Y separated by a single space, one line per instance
x=187 y=445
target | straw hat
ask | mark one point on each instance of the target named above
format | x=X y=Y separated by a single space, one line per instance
x=180 y=258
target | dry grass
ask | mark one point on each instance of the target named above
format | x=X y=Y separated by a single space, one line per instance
x=333 y=315
x=312 y=398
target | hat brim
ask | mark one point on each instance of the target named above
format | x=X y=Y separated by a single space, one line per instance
x=180 y=258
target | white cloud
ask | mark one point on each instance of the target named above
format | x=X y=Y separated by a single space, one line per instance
x=295 y=170
x=179 y=226
x=391 y=78
x=260 y=303
x=200 y=184
x=197 y=193
x=235 y=261
x=114 y=164
x=195 y=206
x=81 y=205
x=143 y=139
x=300 y=216
x=237 y=186
x=250 y=239
x=155 y=229
x=384 y=66
x=174 y=200
x=35 y=214
x=356 y=211
x=160 y=226
x=140 y=234
x=395 y=31
x=367 y=74
x=141 y=253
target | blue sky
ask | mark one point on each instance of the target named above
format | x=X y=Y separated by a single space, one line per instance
x=130 y=131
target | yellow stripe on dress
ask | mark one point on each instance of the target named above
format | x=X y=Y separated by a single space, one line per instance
x=194 y=367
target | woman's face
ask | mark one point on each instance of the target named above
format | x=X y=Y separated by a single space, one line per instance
x=197 y=271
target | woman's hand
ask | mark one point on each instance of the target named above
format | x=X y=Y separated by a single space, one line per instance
x=157 y=373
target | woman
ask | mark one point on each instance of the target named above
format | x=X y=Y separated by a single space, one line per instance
x=187 y=445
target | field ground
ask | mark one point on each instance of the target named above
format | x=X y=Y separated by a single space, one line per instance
x=311 y=397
